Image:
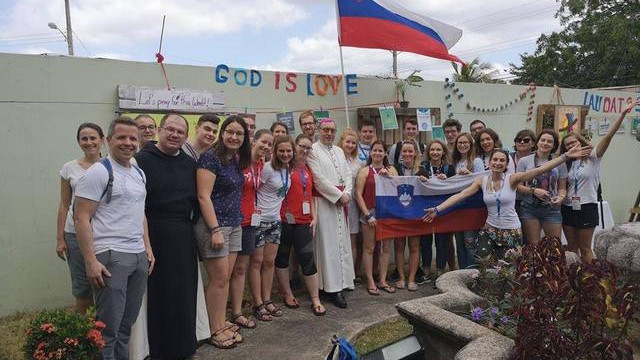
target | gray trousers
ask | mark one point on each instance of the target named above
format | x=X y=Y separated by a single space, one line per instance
x=118 y=303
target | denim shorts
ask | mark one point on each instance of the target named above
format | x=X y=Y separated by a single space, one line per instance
x=80 y=287
x=268 y=232
x=544 y=213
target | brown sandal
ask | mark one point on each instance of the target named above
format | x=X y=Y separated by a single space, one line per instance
x=224 y=342
x=246 y=323
x=274 y=310
x=261 y=313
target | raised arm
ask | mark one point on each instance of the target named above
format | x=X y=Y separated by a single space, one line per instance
x=574 y=153
x=603 y=144
x=472 y=189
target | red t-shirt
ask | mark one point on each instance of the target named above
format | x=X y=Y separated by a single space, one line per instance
x=251 y=181
x=299 y=192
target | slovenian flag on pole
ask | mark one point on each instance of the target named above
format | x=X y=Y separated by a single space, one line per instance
x=383 y=24
x=401 y=202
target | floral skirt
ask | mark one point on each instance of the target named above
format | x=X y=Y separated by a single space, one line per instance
x=491 y=240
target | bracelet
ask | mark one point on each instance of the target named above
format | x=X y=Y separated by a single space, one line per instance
x=533 y=190
x=368 y=216
x=214 y=229
x=436 y=209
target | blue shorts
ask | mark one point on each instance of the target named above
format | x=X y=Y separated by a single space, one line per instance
x=544 y=213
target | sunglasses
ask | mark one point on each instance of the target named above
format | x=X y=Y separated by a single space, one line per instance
x=522 y=140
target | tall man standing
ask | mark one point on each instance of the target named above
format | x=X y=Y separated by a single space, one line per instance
x=332 y=183
x=409 y=132
x=171 y=199
x=112 y=234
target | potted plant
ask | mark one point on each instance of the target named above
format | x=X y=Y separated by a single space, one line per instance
x=61 y=334
x=402 y=85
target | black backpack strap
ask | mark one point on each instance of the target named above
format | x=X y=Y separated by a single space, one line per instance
x=109 y=189
x=140 y=172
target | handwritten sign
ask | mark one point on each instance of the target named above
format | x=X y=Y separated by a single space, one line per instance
x=312 y=84
x=287 y=119
x=160 y=99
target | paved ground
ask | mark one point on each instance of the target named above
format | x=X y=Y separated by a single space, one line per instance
x=299 y=335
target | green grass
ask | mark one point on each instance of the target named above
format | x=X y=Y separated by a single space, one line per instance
x=12 y=335
x=382 y=334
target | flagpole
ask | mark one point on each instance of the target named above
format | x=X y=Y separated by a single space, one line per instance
x=344 y=88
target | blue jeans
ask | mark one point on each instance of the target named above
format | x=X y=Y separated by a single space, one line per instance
x=442 y=250
x=465 y=250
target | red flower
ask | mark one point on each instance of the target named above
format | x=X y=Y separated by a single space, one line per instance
x=95 y=337
x=100 y=325
x=48 y=328
x=71 y=341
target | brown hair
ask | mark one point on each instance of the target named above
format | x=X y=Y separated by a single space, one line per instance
x=276 y=164
x=583 y=141
x=385 y=159
x=343 y=137
x=122 y=120
x=497 y=144
x=471 y=154
x=306 y=114
x=276 y=124
x=445 y=152
x=166 y=116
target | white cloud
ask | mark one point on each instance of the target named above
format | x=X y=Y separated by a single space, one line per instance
x=488 y=27
x=128 y=21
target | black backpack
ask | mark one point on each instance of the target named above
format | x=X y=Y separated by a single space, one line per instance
x=109 y=189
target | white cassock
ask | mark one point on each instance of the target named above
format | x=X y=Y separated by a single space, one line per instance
x=332 y=242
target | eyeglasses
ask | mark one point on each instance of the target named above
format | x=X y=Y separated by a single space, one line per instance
x=146 y=127
x=172 y=130
x=522 y=140
x=305 y=148
x=307 y=124
x=236 y=133
x=328 y=130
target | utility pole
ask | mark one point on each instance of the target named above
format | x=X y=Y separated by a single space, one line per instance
x=394 y=53
x=69 y=31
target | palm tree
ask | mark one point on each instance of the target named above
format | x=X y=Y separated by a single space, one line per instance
x=475 y=72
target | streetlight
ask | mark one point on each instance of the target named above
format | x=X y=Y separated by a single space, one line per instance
x=68 y=37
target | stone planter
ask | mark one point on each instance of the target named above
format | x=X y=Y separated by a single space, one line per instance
x=620 y=246
x=445 y=335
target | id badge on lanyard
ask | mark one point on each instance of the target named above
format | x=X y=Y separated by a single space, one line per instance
x=306 y=206
x=256 y=218
x=575 y=199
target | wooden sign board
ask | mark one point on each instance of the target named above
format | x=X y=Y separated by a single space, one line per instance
x=160 y=99
x=561 y=118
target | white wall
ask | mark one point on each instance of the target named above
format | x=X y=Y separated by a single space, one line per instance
x=43 y=99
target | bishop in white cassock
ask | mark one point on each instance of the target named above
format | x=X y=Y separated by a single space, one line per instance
x=333 y=183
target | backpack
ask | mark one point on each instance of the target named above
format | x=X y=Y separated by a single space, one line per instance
x=109 y=189
x=346 y=351
x=396 y=155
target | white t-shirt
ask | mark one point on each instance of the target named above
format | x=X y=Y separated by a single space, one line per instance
x=71 y=172
x=478 y=166
x=119 y=224
x=547 y=181
x=585 y=173
x=270 y=192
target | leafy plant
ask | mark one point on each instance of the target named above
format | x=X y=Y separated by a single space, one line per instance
x=576 y=312
x=60 y=334
x=475 y=72
x=412 y=80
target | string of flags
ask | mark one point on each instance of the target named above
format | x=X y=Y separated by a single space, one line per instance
x=454 y=92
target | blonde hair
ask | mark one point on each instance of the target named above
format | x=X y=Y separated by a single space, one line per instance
x=416 y=158
x=343 y=137
x=445 y=154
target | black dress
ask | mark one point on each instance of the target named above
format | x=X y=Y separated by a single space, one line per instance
x=172 y=287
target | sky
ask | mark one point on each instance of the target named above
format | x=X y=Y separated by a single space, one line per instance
x=285 y=35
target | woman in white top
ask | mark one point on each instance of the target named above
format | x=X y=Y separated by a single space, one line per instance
x=579 y=209
x=89 y=137
x=502 y=229
x=275 y=181
x=542 y=196
x=349 y=144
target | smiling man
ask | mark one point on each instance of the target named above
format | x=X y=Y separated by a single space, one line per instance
x=332 y=181
x=171 y=199
x=112 y=234
x=206 y=134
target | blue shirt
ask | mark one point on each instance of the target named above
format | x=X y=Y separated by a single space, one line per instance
x=227 y=189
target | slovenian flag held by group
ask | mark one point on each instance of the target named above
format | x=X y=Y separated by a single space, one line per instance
x=384 y=24
x=401 y=202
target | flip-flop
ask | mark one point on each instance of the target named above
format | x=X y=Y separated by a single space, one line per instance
x=387 y=288
x=400 y=284
x=412 y=286
x=318 y=310
x=294 y=305
x=373 y=291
